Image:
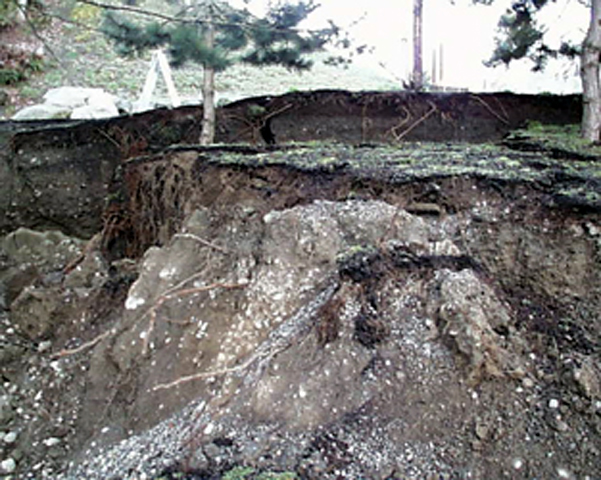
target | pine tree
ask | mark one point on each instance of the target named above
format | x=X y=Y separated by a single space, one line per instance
x=522 y=37
x=216 y=36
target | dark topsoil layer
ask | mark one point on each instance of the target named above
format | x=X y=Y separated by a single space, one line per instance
x=59 y=174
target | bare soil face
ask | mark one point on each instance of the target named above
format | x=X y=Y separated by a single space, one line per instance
x=308 y=311
x=318 y=311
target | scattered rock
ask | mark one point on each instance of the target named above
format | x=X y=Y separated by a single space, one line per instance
x=8 y=466
x=471 y=314
x=44 y=346
x=43 y=111
x=47 y=250
x=592 y=229
x=51 y=442
x=14 y=279
x=482 y=430
x=10 y=437
x=586 y=378
x=517 y=463
x=528 y=382
x=6 y=409
x=34 y=311
x=564 y=473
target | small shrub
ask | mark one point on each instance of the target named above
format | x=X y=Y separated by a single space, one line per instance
x=277 y=476
x=10 y=76
x=238 y=473
x=254 y=110
x=534 y=126
x=8 y=14
x=17 y=65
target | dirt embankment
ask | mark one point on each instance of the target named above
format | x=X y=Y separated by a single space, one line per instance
x=55 y=171
x=316 y=311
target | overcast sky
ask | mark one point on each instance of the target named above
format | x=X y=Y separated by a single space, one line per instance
x=466 y=33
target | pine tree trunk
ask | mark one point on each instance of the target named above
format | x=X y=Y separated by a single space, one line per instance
x=207 y=135
x=589 y=72
x=418 y=68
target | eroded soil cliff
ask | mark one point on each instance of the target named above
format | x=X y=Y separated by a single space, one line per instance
x=56 y=174
x=314 y=311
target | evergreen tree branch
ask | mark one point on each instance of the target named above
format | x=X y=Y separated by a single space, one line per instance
x=139 y=11
x=215 y=35
x=203 y=20
x=75 y=23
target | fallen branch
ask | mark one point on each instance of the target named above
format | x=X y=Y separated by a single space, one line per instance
x=209 y=374
x=93 y=244
x=288 y=106
x=172 y=293
x=296 y=326
x=110 y=139
x=254 y=125
x=181 y=284
x=489 y=108
x=394 y=129
x=502 y=107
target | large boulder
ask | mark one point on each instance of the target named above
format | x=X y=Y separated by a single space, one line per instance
x=98 y=105
x=70 y=97
x=30 y=272
x=72 y=102
x=42 y=111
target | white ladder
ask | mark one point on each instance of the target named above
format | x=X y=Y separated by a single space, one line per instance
x=158 y=64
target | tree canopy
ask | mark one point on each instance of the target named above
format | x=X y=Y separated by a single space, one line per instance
x=239 y=37
x=523 y=37
x=216 y=36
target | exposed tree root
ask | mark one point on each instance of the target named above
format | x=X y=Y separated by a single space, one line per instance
x=173 y=293
x=428 y=114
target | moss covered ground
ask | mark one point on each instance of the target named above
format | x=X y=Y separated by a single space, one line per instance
x=560 y=141
x=573 y=181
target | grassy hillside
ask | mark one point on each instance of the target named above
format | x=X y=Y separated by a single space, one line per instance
x=78 y=55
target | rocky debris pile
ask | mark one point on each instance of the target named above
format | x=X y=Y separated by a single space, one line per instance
x=32 y=303
x=305 y=334
x=333 y=339
x=309 y=319
x=339 y=339
x=75 y=103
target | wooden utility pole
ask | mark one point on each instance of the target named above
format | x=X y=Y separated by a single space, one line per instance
x=418 y=67
x=433 y=75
